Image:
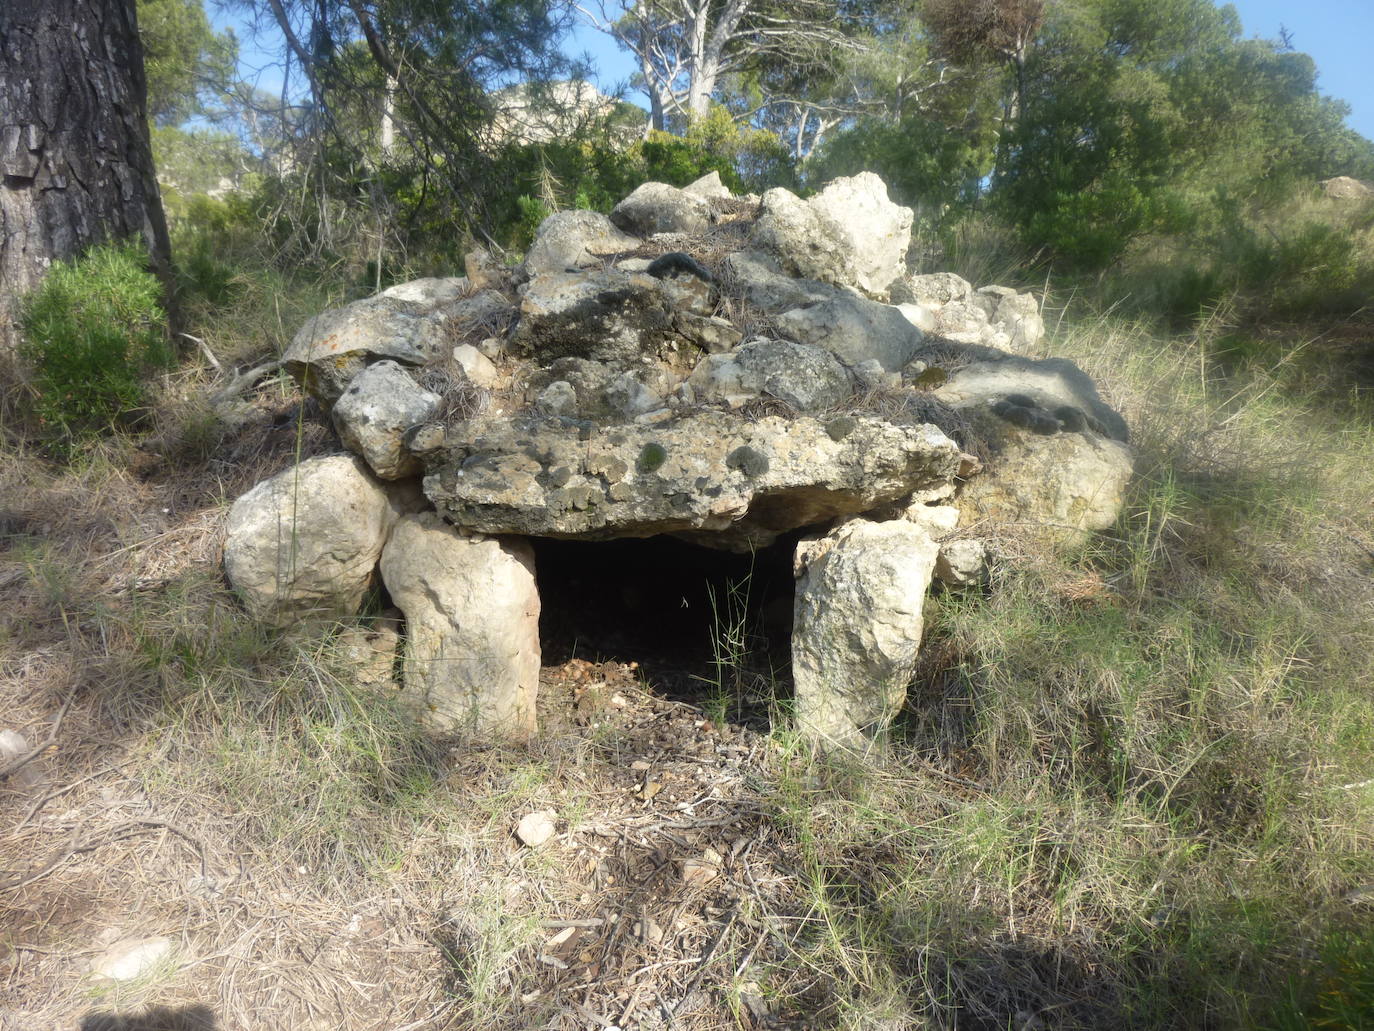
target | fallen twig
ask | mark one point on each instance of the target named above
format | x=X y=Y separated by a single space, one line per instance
x=15 y=765
x=244 y=381
x=87 y=843
x=204 y=349
x=706 y=959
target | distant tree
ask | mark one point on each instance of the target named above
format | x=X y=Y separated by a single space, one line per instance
x=688 y=49
x=1139 y=115
x=186 y=61
x=970 y=30
x=426 y=70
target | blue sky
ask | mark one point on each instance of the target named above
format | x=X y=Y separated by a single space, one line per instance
x=1337 y=33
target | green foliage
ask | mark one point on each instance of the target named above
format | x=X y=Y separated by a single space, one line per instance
x=207 y=241
x=600 y=167
x=193 y=161
x=184 y=58
x=923 y=163
x=1136 y=113
x=1339 y=994
x=532 y=214
x=1301 y=256
x=93 y=331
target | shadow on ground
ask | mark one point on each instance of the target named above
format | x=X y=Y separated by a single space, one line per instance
x=159 y=1018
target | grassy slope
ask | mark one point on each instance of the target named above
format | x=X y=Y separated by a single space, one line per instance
x=1131 y=789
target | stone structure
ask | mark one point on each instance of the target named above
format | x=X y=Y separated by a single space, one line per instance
x=723 y=369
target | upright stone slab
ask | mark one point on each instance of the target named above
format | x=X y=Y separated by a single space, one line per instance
x=472 y=626
x=857 y=627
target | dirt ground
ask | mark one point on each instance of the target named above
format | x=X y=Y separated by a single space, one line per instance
x=667 y=896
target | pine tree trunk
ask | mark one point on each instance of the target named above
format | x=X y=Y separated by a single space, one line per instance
x=76 y=166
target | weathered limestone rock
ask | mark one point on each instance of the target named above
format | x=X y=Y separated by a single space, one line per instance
x=660 y=208
x=1059 y=456
x=962 y=562
x=1344 y=187
x=573 y=240
x=303 y=544
x=919 y=315
x=1018 y=315
x=604 y=394
x=809 y=379
x=1063 y=484
x=855 y=330
x=708 y=187
x=745 y=481
x=757 y=277
x=611 y=317
x=1056 y=394
x=688 y=286
x=376 y=409
x=472 y=626
x=607 y=422
x=432 y=291
x=857 y=626
x=476 y=366
x=712 y=334
x=849 y=234
x=333 y=347
x=963 y=322
x=936 y=289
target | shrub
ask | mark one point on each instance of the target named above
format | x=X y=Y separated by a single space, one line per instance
x=92 y=331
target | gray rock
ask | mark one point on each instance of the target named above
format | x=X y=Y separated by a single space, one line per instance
x=573 y=240
x=476 y=366
x=333 y=347
x=129 y=960
x=936 y=289
x=376 y=409
x=809 y=379
x=961 y=321
x=743 y=480
x=855 y=330
x=1050 y=384
x=611 y=317
x=472 y=626
x=13 y=745
x=962 y=562
x=849 y=234
x=431 y=292
x=303 y=544
x=857 y=627
x=1018 y=315
x=1052 y=486
x=920 y=316
x=756 y=277
x=708 y=187
x=712 y=334
x=604 y=394
x=688 y=286
x=558 y=398
x=659 y=208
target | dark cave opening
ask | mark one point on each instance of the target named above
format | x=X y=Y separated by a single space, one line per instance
x=698 y=621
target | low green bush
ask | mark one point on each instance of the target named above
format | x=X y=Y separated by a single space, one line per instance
x=92 y=332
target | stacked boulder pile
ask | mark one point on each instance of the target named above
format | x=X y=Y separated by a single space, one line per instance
x=723 y=369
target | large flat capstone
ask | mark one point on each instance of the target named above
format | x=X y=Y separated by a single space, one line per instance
x=744 y=480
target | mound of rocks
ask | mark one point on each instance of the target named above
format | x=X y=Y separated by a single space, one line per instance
x=724 y=369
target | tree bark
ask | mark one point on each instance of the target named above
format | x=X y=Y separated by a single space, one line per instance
x=76 y=165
